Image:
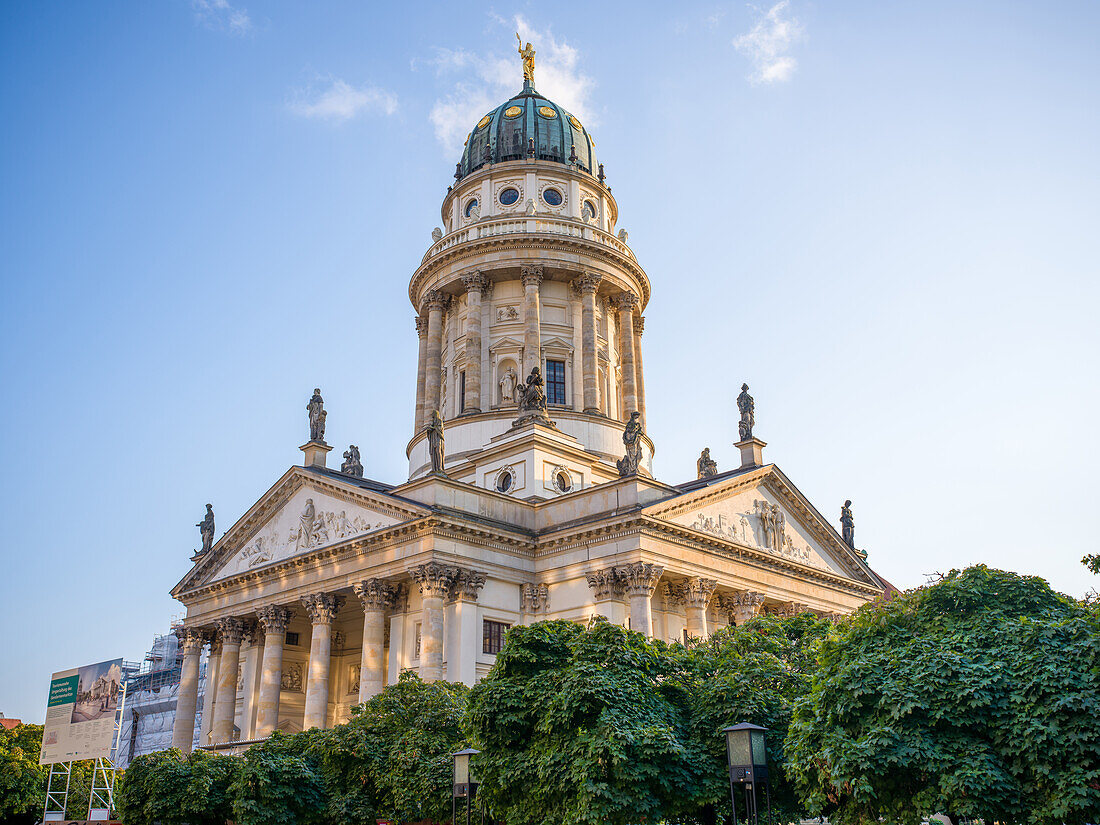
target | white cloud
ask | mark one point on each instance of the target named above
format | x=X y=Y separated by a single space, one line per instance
x=768 y=44
x=485 y=80
x=341 y=101
x=218 y=14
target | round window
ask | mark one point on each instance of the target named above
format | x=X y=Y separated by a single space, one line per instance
x=504 y=481
x=509 y=196
x=471 y=205
x=589 y=210
x=562 y=481
x=552 y=196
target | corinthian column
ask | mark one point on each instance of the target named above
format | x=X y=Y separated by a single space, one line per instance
x=421 y=372
x=640 y=580
x=639 y=328
x=740 y=607
x=434 y=581
x=587 y=285
x=626 y=302
x=183 y=728
x=475 y=285
x=376 y=595
x=435 y=302
x=532 y=341
x=321 y=608
x=231 y=632
x=696 y=593
x=274 y=621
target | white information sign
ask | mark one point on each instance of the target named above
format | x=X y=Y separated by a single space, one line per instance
x=80 y=713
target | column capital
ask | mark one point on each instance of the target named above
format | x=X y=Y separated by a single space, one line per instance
x=465 y=586
x=434 y=579
x=624 y=300
x=640 y=579
x=672 y=597
x=421 y=325
x=375 y=594
x=475 y=282
x=697 y=591
x=788 y=609
x=532 y=275
x=605 y=583
x=639 y=324
x=534 y=598
x=253 y=633
x=274 y=618
x=322 y=607
x=741 y=605
x=191 y=639
x=586 y=283
x=434 y=299
x=230 y=630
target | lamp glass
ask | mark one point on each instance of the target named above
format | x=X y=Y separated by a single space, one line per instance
x=462 y=768
x=759 y=754
x=738 y=747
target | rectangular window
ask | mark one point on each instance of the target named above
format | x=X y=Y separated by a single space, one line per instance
x=462 y=391
x=492 y=636
x=291 y=639
x=555 y=382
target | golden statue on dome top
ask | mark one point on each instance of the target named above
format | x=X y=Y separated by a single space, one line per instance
x=528 y=56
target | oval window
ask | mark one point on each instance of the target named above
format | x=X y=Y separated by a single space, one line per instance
x=513 y=111
x=576 y=123
x=481 y=124
x=471 y=205
x=509 y=196
x=552 y=196
x=504 y=482
x=562 y=481
x=547 y=112
x=589 y=210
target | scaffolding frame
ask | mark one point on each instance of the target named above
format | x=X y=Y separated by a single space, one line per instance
x=57 y=791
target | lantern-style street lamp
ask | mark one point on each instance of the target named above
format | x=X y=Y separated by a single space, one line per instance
x=748 y=764
x=465 y=787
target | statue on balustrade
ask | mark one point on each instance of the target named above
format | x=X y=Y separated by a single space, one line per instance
x=352 y=466
x=848 y=524
x=632 y=441
x=317 y=416
x=747 y=408
x=206 y=529
x=706 y=465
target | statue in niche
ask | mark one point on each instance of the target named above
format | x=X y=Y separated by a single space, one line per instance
x=436 y=442
x=352 y=466
x=706 y=465
x=206 y=529
x=317 y=416
x=848 y=524
x=632 y=440
x=747 y=407
x=305 y=526
x=508 y=383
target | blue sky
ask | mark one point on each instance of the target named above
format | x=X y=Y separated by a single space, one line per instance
x=882 y=216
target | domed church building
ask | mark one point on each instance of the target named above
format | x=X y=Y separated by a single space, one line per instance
x=531 y=491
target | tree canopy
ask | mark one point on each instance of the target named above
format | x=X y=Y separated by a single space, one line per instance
x=977 y=696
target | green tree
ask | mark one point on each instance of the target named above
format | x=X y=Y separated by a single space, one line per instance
x=22 y=780
x=1092 y=562
x=277 y=783
x=392 y=760
x=169 y=788
x=977 y=696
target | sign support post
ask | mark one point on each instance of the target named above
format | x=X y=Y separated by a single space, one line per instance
x=101 y=802
x=57 y=791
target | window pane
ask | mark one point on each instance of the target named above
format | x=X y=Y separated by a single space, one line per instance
x=555 y=382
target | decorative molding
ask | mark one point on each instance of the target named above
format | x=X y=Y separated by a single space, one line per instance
x=534 y=598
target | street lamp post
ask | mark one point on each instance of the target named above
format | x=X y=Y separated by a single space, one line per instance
x=748 y=766
x=464 y=785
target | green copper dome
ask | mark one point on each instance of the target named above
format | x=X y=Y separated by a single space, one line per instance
x=528 y=126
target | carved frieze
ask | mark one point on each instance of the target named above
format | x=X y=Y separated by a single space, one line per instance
x=292 y=678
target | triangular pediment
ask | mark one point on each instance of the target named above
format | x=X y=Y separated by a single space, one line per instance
x=761 y=510
x=306 y=510
x=505 y=343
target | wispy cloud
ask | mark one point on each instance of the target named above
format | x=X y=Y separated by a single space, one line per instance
x=337 y=100
x=219 y=15
x=769 y=42
x=484 y=80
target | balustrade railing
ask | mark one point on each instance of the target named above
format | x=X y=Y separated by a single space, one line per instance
x=514 y=225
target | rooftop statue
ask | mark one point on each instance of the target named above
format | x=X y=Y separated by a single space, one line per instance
x=747 y=408
x=206 y=529
x=436 y=442
x=317 y=416
x=632 y=441
x=706 y=465
x=848 y=524
x=352 y=466
x=528 y=56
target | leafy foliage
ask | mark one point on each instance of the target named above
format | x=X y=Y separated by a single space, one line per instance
x=169 y=788
x=977 y=696
x=22 y=781
x=277 y=783
x=1092 y=562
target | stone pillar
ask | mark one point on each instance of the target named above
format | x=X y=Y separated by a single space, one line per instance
x=532 y=340
x=183 y=728
x=210 y=692
x=376 y=595
x=251 y=655
x=576 y=371
x=488 y=385
x=696 y=592
x=435 y=302
x=639 y=373
x=322 y=608
x=640 y=580
x=434 y=581
x=626 y=302
x=421 y=373
x=461 y=626
x=231 y=631
x=274 y=621
x=475 y=285
x=587 y=285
